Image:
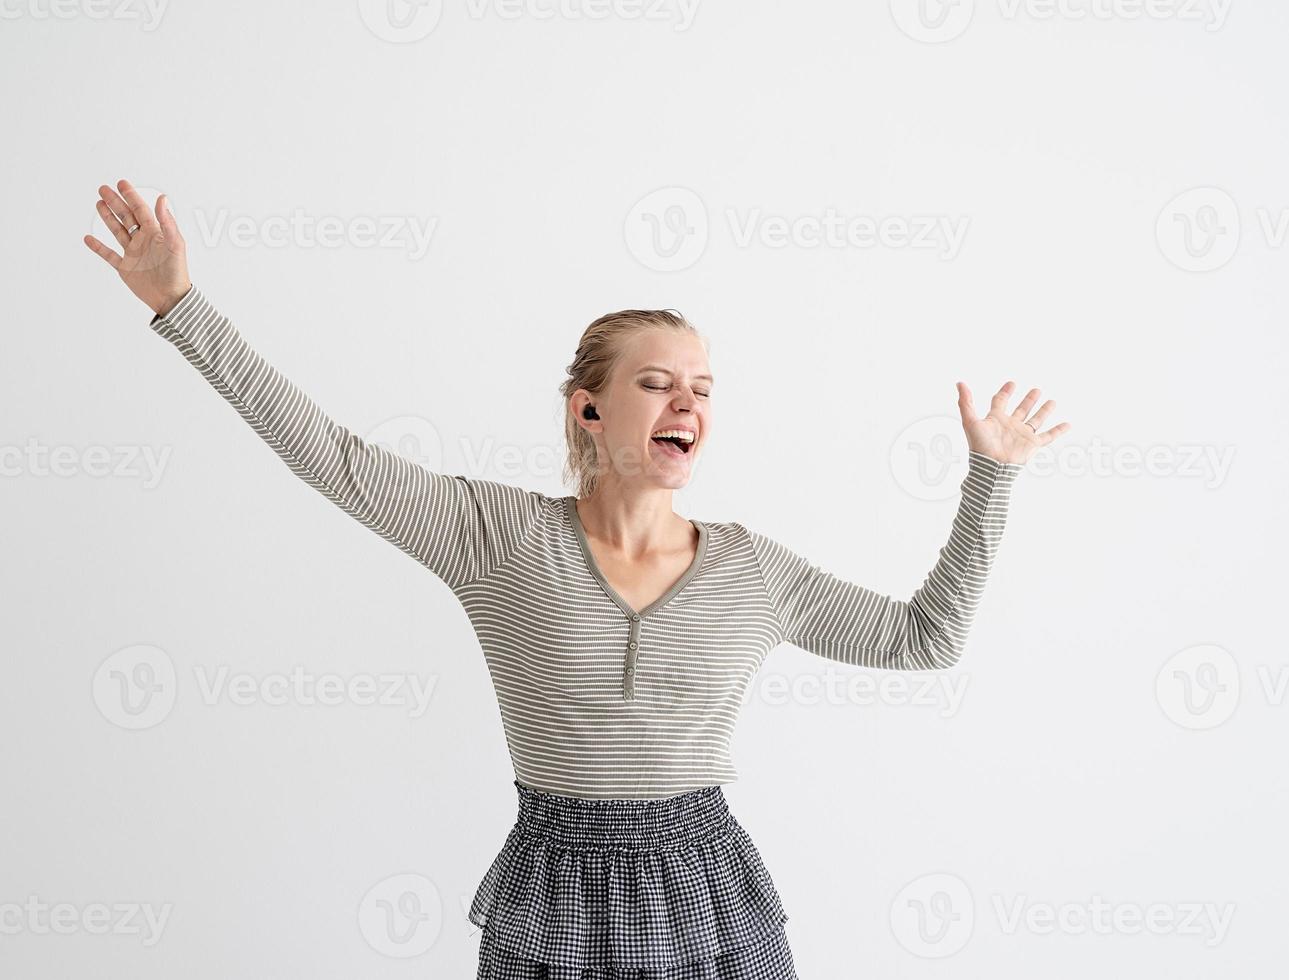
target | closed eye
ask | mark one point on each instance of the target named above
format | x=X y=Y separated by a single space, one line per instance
x=700 y=394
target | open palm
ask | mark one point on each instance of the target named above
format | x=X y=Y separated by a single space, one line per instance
x=1009 y=437
x=154 y=260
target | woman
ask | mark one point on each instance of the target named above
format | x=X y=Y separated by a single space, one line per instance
x=620 y=638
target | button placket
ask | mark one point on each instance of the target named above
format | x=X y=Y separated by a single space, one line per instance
x=634 y=618
x=633 y=653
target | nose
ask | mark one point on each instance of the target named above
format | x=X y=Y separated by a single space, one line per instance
x=686 y=398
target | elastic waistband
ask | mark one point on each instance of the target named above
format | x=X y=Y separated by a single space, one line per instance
x=649 y=824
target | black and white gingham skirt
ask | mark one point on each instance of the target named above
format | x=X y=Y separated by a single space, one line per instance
x=653 y=889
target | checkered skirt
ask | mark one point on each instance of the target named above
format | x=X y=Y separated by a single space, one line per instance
x=651 y=889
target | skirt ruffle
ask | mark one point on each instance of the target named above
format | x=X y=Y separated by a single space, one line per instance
x=697 y=905
x=767 y=959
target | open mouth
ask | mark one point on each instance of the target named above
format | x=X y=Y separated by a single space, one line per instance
x=673 y=445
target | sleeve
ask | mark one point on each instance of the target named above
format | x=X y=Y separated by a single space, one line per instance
x=459 y=528
x=840 y=620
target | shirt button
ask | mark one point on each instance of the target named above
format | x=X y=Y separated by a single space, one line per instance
x=631 y=645
x=631 y=670
x=635 y=616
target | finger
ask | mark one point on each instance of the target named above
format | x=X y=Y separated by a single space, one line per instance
x=1044 y=410
x=113 y=223
x=110 y=257
x=166 y=218
x=965 y=406
x=117 y=206
x=1052 y=433
x=138 y=206
x=998 y=403
x=1022 y=410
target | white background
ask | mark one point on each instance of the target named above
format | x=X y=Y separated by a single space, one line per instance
x=1119 y=172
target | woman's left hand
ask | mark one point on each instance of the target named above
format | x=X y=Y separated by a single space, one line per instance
x=1008 y=437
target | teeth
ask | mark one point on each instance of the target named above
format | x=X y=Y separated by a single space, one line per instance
x=677 y=433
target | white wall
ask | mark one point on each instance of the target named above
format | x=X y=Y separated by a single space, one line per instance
x=1117 y=185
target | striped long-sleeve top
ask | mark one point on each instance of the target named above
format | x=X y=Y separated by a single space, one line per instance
x=597 y=699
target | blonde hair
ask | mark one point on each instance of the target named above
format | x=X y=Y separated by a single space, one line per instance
x=598 y=352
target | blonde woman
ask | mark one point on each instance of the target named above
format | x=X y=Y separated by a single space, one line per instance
x=620 y=637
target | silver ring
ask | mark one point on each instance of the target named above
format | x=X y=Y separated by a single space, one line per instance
x=132 y=229
x=1031 y=425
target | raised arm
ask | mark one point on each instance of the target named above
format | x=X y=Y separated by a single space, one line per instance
x=841 y=620
x=824 y=614
x=458 y=527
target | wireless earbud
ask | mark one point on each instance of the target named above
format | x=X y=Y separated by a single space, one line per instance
x=589 y=412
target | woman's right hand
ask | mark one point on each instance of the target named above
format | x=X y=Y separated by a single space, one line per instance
x=155 y=264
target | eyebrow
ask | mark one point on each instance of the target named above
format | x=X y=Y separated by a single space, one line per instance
x=655 y=367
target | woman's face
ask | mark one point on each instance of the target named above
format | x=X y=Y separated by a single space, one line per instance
x=661 y=382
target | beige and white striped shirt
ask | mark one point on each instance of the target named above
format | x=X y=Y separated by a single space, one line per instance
x=599 y=700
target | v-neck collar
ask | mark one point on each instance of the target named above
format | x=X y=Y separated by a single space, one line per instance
x=570 y=504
